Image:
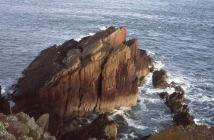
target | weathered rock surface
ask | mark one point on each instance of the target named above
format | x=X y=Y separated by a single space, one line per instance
x=159 y=79
x=96 y=74
x=101 y=128
x=191 y=132
x=21 y=127
x=175 y=102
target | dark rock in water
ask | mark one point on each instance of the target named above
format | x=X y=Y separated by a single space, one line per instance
x=180 y=110
x=179 y=89
x=175 y=101
x=159 y=79
x=183 y=118
x=191 y=132
x=101 y=128
x=173 y=84
x=164 y=95
x=96 y=74
x=20 y=126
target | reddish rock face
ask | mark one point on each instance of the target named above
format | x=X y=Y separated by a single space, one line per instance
x=98 y=73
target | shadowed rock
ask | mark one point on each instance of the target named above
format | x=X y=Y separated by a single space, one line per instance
x=4 y=105
x=164 y=95
x=183 y=118
x=101 y=128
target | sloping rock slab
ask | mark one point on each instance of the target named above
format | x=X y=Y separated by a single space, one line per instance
x=191 y=132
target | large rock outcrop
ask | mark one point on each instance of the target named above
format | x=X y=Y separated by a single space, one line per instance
x=96 y=74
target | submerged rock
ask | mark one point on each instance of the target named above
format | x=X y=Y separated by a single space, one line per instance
x=191 y=132
x=159 y=79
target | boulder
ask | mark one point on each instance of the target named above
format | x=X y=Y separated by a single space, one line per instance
x=96 y=74
x=159 y=79
x=191 y=132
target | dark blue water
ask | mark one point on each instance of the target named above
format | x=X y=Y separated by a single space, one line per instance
x=178 y=34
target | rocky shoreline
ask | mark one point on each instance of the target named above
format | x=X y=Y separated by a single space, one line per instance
x=88 y=79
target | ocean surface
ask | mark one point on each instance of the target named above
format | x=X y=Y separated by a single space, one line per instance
x=179 y=35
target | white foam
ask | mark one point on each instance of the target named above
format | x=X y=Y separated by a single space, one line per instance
x=82 y=36
x=91 y=34
x=158 y=65
x=132 y=135
x=198 y=121
x=150 y=53
x=131 y=122
x=3 y=90
x=102 y=27
x=205 y=98
x=152 y=100
x=128 y=136
x=12 y=104
x=79 y=38
x=180 y=79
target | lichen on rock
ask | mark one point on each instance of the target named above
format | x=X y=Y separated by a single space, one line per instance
x=21 y=127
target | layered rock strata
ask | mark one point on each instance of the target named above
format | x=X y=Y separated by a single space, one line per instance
x=96 y=74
